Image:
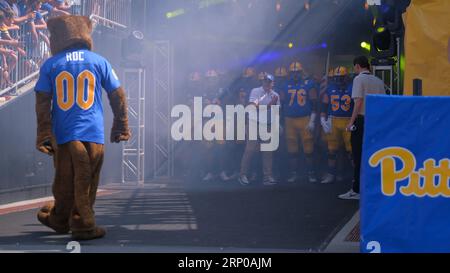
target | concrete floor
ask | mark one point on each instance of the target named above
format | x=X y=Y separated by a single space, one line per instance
x=176 y=216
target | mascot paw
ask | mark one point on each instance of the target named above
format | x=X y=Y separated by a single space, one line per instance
x=96 y=233
x=119 y=137
x=47 y=208
x=44 y=217
x=47 y=148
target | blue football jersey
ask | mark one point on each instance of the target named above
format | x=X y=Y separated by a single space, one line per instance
x=340 y=100
x=75 y=78
x=297 y=101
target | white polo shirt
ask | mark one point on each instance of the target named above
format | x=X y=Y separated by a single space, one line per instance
x=261 y=97
x=366 y=83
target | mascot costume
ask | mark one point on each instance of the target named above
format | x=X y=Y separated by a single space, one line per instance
x=70 y=124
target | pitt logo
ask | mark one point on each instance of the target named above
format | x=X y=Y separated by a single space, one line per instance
x=420 y=183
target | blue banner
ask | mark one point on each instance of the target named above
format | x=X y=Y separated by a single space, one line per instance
x=405 y=192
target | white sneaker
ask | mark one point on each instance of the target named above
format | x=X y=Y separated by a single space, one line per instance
x=269 y=181
x=243 y=180
x=350 y=195
x=312 y=178
x=293 y=178
x=208 y=177
x=224 y=176
x=328 y=178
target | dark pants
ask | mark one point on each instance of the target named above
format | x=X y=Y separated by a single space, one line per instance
x=357 y=144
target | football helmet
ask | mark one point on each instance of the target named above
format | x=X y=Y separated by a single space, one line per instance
x=340 y=71
x=340 y=75
x=211 y=73
x=249 y=72
x=281 y=72
x=330 y=73
x=296 y=67
x=195 y=76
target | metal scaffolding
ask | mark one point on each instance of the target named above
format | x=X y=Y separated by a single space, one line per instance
x=386 y=74
x=133 y=151
x=390 y=71
x=162 y=104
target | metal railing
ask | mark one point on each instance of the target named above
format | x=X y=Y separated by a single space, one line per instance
x=98 y=20
x=24 y=169
x=114 y=10
x=21 y=64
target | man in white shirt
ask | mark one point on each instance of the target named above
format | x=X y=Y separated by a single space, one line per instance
x=363 y=84
x=263 y=95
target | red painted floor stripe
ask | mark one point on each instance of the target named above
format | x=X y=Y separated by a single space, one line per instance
x=38 y=204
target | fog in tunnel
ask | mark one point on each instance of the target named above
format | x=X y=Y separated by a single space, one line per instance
x=213 y=42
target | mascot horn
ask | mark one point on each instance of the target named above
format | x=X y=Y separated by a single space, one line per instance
x=70 y=124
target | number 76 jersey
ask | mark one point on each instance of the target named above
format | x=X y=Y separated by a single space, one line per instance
x=75 y=78
x=340 y=101
x=298 y=99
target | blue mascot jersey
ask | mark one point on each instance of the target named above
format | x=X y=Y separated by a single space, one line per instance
x=75 y=78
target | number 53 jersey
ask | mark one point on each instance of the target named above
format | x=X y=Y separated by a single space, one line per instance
x=75 y=78
x=341 y=103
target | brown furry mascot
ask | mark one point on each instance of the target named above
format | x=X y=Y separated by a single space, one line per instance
x=70 y=124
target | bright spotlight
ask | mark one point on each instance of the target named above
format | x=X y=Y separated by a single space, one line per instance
x=380 y=29
x=366 y=45
x=175 y=13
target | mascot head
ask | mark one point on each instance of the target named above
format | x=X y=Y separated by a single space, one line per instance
x=69 y=31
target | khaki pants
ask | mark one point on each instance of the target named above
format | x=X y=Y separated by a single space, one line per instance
x=251 y=148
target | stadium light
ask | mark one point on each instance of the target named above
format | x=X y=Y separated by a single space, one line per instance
x=175 y=13
x=381 y=29
x=366 y=45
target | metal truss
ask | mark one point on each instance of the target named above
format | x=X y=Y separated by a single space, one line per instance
x=163 y=164
x=133 y=151
x=386 y=74
x=391 y=73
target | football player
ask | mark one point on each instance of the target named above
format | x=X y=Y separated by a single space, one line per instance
x=336 y=111
x=281 y=77
x=299 y=108
x=215 y=151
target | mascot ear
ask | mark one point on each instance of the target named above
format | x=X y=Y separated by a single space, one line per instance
x=69 y=31
x=88 y=23
x=51 y=24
